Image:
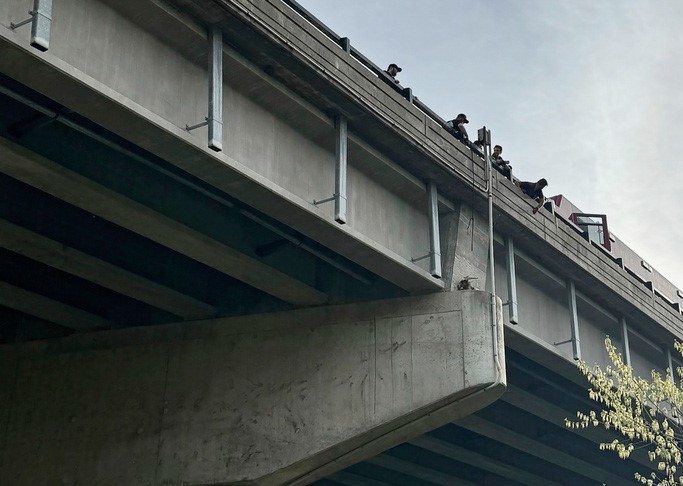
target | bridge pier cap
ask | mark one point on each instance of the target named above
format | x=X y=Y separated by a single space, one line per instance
x=282 y=398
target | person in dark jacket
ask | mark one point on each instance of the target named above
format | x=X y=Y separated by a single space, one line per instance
x=534 y=190
x=392 y=71
x=457 y=128
x=501 y=165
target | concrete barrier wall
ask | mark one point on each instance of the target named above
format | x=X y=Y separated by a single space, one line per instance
x=592 y=333
x=271 y=396
x=543 y=312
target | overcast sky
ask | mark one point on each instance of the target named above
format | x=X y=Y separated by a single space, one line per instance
x=586 y=93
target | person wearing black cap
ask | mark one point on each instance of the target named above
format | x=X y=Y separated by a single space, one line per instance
x=501 y=165
x=535 y=191
x=457 y=126
x=392 y=71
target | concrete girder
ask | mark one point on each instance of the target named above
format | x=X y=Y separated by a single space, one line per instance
x=525 y=444
x=461 y=454
x=554 y=414
x=57 y=255
x=423 y=473
x=100 y=103
x=350 y=479
x=81 y=192
x=48 y=309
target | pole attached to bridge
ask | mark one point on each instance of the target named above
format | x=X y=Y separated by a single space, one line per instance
x=574 y=319
x=340 y=169
x=341 y=133
x=434 y=238
x=512 y=280
x=215 y=117
x=41 y=20
x=484 y=136
x=624 y=339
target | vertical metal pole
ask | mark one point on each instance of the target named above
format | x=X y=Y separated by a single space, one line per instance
x=434 y=239
x=671 y=364
x=512 y=281
x=215 y=118
x=40 y=26
x=624 y=338
x=574 y=319
x=340 y=169
x=492 y=270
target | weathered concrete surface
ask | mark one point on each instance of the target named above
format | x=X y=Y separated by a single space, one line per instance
x=278 y=157
x=269 y=399
x=465 y=244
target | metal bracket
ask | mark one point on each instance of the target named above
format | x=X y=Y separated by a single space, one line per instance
x=41 y=20
x=434 y=254
x=215 y=107
x=202 y=124
x=511 y=273
x=13 y=26
x=328 y=199
x=340 y=170
x=624 y=338
x=420 y=258
x=570 y=340
x=573 y=319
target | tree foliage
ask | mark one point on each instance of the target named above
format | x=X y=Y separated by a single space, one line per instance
x=646 y=413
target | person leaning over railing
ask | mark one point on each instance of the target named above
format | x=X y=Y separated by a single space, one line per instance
x=392 y=71
x=535 y=191
x=502 y=166
x=457 y=128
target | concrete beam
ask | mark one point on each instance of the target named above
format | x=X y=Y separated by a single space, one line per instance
x=270 y=399
x=160 y=135
x=431 y=475
x=350 y=479
x=69 y=260
x=481 y=461
x=81 y=192
x=48 y=309
x=554 y=414
x=530 y=446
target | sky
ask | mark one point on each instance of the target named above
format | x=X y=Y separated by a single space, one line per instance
x=586 y=93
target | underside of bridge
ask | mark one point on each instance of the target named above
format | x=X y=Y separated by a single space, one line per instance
x=518 y=440
x=173 y=315
x=99 y=234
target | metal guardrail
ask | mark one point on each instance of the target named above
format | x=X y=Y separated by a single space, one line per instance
x=344 y=44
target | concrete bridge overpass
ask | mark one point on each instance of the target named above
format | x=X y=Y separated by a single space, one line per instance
x=271 y=298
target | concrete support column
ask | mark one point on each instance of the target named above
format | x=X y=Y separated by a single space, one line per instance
x=282 y=398
x=464 y=248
